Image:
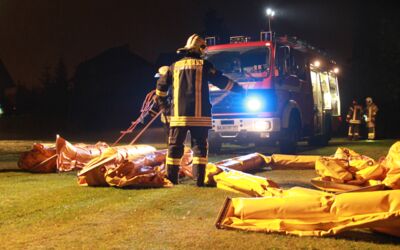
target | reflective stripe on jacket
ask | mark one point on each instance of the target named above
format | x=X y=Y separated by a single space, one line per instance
x=189 y=79
x=354 y=115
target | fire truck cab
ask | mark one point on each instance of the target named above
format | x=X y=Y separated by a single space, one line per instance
x=291 y=94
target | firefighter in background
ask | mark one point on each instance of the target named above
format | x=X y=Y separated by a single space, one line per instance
x=190 y=106
x=353 y=117
x=369 y=115
x=167 y=103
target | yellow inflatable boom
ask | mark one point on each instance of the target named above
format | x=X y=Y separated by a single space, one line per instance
x=306 y=212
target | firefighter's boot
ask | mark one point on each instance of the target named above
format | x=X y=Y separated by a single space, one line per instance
x=173 y=173
x=199 y=171
x=371 y=133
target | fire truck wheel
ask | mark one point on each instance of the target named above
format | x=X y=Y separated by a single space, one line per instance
x=290 y=136
x=322 y=140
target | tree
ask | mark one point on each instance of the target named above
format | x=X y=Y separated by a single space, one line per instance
x=55 y=90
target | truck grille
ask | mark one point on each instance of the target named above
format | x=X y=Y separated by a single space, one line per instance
x=236 y=103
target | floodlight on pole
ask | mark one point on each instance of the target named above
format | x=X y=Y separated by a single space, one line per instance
x=270 y=14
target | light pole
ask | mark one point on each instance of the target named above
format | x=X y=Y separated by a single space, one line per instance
x=270 y=14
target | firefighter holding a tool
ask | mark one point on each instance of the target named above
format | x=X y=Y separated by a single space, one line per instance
x=353 y=117
x=166 y=103
x=369 y=115
x=190 y=108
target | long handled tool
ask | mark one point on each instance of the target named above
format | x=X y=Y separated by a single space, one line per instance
x=146 y=107
x=145 y=128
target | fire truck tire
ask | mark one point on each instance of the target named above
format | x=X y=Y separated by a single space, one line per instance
x=290 y=136
x=323 y=140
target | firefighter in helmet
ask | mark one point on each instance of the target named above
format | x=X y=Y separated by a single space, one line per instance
x=156 y=107
x=190 y=106
x=353 y=117
x=369 y=115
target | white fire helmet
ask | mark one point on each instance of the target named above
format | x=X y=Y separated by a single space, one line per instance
x=194 y=44
x=161 y=71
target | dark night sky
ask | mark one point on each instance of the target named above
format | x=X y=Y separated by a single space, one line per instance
x=36 y=33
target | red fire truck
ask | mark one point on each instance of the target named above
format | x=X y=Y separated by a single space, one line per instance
x=292 y=93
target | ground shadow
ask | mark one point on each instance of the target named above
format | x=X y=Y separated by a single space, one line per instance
x=367 y=236
x=8 y=170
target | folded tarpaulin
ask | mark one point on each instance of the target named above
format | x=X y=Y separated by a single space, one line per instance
x=74 y=157
x=348 y=170
x=93 y=173
x=117 y=168
x=61 y=156
x=40 y=159
x=307 y=212
x=146 y=171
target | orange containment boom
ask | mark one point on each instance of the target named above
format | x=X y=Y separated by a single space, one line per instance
x=61 y=156
x=348 y=170
x=228 y=175
x=130 y=166
x=306 y=212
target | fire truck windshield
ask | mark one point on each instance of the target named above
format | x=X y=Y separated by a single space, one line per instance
x=242 y=64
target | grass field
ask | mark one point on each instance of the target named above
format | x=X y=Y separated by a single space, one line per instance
x=51 y=211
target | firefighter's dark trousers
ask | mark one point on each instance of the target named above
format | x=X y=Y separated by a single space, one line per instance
x=177 y=136
x=354 y=131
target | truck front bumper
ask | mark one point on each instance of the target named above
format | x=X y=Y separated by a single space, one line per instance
x=244 y=130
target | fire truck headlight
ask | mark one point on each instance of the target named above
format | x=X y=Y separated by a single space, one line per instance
x=262 y=125
x=253 y=104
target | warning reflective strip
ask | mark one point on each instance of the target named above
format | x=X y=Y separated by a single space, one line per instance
x=199 y=72
x=176 y=91
x=193 y=124
x=188 y=63
x=229 y=86
x=161 y=93
x=190 y=118
x=173 y=161
x=200 y=160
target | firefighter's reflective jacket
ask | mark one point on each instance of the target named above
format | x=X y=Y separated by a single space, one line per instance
x=189 y=79
x=370 y=112
x=354 y=115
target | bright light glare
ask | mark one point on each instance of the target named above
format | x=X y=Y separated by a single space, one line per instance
x=1 y=111
x=262 y=125
x=336 y=70
x=253 y=104
x=270 y=12
x=317 y=63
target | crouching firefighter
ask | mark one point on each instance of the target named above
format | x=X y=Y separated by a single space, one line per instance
x=370 y=114
x=353 y=117
x=190 y=106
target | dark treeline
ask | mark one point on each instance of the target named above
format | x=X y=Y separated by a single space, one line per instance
x=105 y=92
